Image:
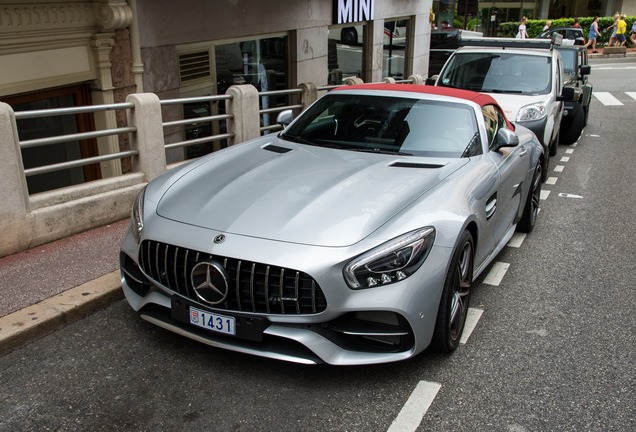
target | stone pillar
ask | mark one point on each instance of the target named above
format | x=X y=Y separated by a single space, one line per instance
x=309 y=95
x=13 y=189
x=244 y=106
x=148 y=140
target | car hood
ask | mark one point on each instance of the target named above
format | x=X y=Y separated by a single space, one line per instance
x=512 y=103
x=307 y=195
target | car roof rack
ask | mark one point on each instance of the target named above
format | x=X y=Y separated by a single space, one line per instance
x=556 y=40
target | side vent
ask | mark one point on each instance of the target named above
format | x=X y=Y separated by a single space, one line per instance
x=194 y=66
x=415 y=165
x=277 y=149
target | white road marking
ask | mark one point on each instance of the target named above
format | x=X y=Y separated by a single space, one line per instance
x=551 y=180
x=472 y=318
x=544 y=195
x=496 y=274
x=559 y=168
x=607 y=99
x=565 y=159
x=569 y=151
x=595 y=136
x=415 y=407
x=516 y=240
x=631 y=94
x=574 y=144
x=567 y=195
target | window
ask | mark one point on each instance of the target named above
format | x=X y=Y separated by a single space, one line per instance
x=44 y=127
x=345 y=52
x=395 y=39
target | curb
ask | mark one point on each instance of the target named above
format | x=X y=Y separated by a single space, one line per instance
x=26 y=325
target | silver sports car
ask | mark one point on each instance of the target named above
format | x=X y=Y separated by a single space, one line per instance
x=352 y=237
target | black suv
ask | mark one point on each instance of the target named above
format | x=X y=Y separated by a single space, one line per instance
x=574 y=34
x=577 y=110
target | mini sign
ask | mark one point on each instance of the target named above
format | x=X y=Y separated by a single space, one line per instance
x=350 y=11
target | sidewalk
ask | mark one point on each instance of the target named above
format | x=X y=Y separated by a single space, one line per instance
x=49 y=286
x=631 y=52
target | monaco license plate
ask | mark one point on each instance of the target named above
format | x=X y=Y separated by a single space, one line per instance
x=214 y=322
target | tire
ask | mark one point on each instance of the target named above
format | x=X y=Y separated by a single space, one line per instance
x=531 y=207
x=573 y=125
x=349 y=36
x=453 y=305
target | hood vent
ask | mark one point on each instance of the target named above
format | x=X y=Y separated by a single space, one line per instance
x=415 y=165
x=277 y=149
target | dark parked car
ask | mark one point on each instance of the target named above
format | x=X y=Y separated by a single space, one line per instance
x=443 y=43
x=571 y=35
x=577 y=110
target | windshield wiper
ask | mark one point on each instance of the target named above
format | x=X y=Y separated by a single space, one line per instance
x=298 y=139
x=501 y=91
x=380 y=151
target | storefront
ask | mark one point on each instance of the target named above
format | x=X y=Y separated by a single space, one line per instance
x=83 y=52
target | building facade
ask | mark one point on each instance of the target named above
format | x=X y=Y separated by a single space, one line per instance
x=56 y=54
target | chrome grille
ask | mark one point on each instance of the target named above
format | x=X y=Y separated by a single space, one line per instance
x=253 y=287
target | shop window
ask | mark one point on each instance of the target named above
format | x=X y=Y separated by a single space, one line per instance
x=262 y=63
x=346 y=53
x=44 y=127
x=394 y=53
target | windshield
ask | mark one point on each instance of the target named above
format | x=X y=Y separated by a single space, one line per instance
x=499 y=73
x=391 y=125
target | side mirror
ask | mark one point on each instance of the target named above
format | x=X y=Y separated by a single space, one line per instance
x=506 y=138
x=285 y=118
x=567 y=94
x=585 y=69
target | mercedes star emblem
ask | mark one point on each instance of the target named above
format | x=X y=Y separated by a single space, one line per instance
x=210 y=282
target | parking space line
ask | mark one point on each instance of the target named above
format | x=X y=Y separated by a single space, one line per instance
x=415 y=407
x=551 y=180
x=544 y=195
x=559 y=168
x=565 y=159
x=631 y=94
x=607 y=99
x=569 y=151
x=516 y=240
x=472 y=318
x=496 y=274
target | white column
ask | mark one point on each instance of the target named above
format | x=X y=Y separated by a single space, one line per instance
x=148 y=140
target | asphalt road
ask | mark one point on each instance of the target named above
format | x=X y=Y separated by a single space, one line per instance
x=554 y=349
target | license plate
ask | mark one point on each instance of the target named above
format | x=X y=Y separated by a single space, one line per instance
x=210 y=321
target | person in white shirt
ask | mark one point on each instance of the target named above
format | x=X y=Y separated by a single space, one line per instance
x=522 y=34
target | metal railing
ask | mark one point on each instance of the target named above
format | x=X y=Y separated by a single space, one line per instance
x=20 y=115
x=207 y=119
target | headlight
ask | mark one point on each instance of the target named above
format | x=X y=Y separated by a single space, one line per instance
x=532 y=112
x=392 y=261
x=137 y=215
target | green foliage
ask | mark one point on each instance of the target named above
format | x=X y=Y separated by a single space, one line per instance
x=535 y=27
x=458 y=24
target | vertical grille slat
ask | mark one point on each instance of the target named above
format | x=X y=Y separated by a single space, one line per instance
x=254 y=287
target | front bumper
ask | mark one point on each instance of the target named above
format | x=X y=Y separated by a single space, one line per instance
x=355 y=327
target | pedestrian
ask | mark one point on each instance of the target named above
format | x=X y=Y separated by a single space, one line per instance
x=632 y=34
x=548 y=23
x=576 y=23
x=593 y=34
x=615 y=27
x=621 y=29
x=522 y=33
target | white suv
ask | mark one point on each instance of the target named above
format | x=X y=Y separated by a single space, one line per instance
x=524 y=76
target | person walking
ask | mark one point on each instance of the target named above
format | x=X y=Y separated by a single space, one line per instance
x=576 y=23
x=593 y=34
x=548 y=23
x=621 y=29
x=615 y=26
x=522 y=33
x=632 y=34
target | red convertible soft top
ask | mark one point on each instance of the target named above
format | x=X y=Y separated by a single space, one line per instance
x=479 y=98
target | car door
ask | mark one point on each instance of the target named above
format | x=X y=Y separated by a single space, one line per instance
x=512 y=165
